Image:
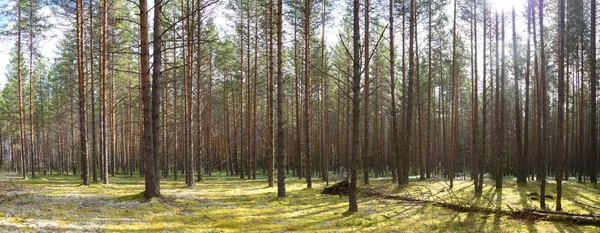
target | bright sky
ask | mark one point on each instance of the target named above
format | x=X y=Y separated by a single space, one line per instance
x=47 y=46
x=508 y=4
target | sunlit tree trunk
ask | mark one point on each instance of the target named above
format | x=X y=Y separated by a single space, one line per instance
x=20 y=86
x=81 y=87
x=151 y=160
x=103 y=67
x=93 y=97
x=32 y=148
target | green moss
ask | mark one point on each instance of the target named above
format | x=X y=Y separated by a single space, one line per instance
x=228 y=204
x=131 y=197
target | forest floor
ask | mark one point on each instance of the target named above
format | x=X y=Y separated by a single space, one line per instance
x=228 y=204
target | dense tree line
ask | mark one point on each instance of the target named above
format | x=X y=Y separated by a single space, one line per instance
x=405 y=91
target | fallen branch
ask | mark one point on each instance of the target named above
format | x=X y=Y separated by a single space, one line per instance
x=584 y=204
x=529 y=215
x=489 y=200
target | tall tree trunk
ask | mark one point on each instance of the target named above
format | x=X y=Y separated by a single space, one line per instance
x=502 y=133
x=307 y=92
x=521 y=176
x=560 y=143
x=269 y=150
x=147 y=138
x=593 y=112
x=31 y=82
x=353 y=205
x=454 y=117
x=394 y=132
x=429 y=93
x=254 y=87
x=151 y=160
x=197 y=146
x=298 y=146
x=175 y=112
x=403 y=176
x=103 y=67
x=166 y=130
x=187 y=88
x=112 y=127
x=93 y=97
x=324 y=116
x=280 y=118
x=20 y=87
x=524 y=163
x=475 y=109
x=81 y=86
x=497 y=149
x=209 y=142
x=366 y=154
x=545 y=112
x=248 y=94
x=400 y=156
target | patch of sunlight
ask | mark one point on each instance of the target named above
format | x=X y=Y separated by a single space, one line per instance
x=228 y=204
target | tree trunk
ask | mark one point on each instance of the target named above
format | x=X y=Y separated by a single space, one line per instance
x=298 y=147
x=429 y=94
x=560 y=143
x=187 y=88
x=593 y=114
x=394 y=132
x=545 y=137
x=524 y=163
x=81 y=86
x=269 y=85
x=103 y=67
x=366 y=154
x=324 y=117
x=31 y=82
x=355 y=106
x=307 y=93
x=454 y=117
x=20 y=86
x=151 y=160
x=93 y=97
x=280 y=118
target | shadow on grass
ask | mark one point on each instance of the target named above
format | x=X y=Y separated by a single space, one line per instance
x=131 y=197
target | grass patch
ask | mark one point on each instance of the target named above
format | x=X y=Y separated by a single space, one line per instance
x=131 y=197
x=229 y=204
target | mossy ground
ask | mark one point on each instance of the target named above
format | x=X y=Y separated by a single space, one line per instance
x=228 y=204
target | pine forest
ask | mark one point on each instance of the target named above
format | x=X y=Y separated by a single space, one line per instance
x=299 y=116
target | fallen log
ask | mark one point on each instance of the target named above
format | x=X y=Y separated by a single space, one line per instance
x=528 y=215
x=584 y=204
x=584 y=219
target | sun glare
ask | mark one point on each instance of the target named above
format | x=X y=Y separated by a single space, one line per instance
x=506 y=4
